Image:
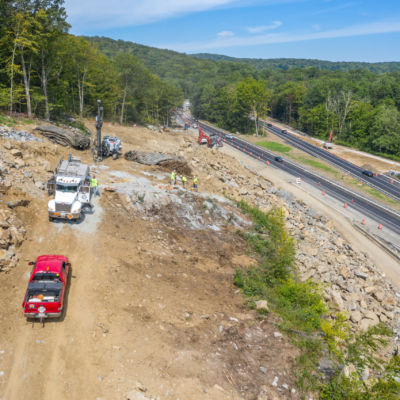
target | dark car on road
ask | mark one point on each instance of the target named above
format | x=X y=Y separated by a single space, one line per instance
x=278 y=159
x=367 y=172
x=284 y=131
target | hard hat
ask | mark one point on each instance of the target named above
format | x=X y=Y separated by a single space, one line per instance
x=174 y=170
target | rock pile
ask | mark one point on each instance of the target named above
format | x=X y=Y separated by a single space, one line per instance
x=167 y=161
x=65 y=137
x=20 y=136
x=12 y=234
x=351 y=281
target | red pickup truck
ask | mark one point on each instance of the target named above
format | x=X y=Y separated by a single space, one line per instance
x=44 y=297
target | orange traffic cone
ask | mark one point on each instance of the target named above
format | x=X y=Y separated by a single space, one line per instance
x=345 y=205
x=380 y=226
x=363 y=221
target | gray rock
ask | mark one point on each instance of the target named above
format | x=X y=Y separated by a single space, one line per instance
x=262 y=305
x=361 y=275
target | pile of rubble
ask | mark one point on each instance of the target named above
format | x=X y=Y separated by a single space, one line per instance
x=71 y=137
x=351 y=281
x=20 y=136
x=12 y=234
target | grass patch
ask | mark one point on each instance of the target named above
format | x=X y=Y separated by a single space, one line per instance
x=10 y=122
x=273 y=146
x=318 y=164
x=316 y=330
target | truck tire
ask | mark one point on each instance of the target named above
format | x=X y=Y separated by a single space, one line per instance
x=51 y=219
x=115 y=156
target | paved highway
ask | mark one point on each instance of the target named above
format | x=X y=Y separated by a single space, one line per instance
x=387 y=217
x=380 y=182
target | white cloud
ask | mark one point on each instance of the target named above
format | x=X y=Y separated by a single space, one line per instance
x=107 y=14
x=263 y=28
x=271 y=38
x=224 y=34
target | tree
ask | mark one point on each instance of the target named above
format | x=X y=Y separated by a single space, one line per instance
x=385 y=130
x=252 y=99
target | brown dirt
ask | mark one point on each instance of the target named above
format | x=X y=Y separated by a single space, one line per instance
x=150 y=300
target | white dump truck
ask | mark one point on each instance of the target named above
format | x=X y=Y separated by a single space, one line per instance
x=70 y=186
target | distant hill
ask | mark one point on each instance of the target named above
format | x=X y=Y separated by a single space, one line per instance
x=288 y=63
x=179 y=69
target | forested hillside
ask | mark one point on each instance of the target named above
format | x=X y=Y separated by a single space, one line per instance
x=46 y=72
x=288 y=63
x=361 y=106
x=181 y=70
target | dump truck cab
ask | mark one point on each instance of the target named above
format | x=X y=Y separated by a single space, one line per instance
x=71 y=188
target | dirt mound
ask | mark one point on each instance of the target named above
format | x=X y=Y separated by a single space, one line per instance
x=182 y=168
x=168 y=162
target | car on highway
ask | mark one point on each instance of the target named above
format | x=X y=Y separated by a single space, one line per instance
x=229 y=136
x=45 y=294
x=194 y=126
x=278 y=159
x=269 y=124
x=367 y=172
x=283 y=131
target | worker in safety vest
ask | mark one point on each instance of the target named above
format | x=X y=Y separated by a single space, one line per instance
x=195 y=182
x=173 y=177
x=94 y=186
x=184 y=180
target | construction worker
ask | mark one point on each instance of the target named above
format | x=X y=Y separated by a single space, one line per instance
x=94 y=186
x=173 y=177
x=195 y=182
x=184 y=180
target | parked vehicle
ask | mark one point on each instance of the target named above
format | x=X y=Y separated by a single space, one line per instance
x=367 y=172
x=45 y=295
x=327 y=145
x=71 y=188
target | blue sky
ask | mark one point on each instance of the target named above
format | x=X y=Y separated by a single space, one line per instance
x=336 y=30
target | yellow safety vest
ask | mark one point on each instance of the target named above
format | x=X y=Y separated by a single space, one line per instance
x=184 y=179
x=93 y=182
x=195 y=181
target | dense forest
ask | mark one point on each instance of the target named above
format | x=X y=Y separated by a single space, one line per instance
x=288 y=63
x=361 y=106
x=48 y=73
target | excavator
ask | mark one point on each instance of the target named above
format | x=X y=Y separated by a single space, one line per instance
x=211 y=140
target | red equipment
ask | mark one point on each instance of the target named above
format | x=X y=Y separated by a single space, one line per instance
x=44 y=297
x=211 y=140
x=204 y=138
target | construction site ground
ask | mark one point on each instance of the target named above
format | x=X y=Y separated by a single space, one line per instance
x=152 y=311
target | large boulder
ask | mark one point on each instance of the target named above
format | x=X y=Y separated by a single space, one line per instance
x=65 y=137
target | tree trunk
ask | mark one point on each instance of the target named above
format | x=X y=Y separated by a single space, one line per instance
x=121 y=119
x=43 y=79
x=12 y=77
x=26 y=84
x=81 y=92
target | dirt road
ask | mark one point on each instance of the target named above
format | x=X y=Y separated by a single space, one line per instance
x=151 y=312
